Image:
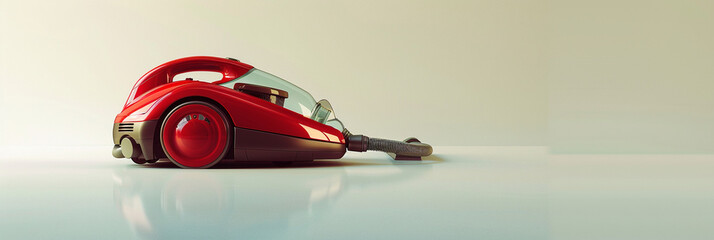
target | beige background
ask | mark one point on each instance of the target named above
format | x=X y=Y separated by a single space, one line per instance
x=582 y=77
x=631 y=76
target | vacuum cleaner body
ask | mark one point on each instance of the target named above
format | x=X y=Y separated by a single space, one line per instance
x=247 y=115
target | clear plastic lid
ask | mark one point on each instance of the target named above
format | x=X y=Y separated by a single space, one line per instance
x=299 y=100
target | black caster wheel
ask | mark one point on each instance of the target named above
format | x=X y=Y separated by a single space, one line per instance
x=138 y=160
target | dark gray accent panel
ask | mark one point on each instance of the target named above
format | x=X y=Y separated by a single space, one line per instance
x=253 y=145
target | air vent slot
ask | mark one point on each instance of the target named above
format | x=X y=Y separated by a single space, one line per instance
x=126 y=127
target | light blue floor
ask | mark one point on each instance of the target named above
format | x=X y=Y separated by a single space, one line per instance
x=459 y=193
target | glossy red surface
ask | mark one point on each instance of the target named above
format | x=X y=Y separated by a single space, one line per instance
x=165 y=73
x=245 y=111
x=194 y=135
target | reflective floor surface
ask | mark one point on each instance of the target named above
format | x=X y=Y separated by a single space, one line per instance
x=459 y=193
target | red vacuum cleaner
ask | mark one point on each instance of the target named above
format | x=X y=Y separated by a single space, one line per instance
x=248 y=115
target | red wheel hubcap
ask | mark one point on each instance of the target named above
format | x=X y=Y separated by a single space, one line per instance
x=195 y=135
